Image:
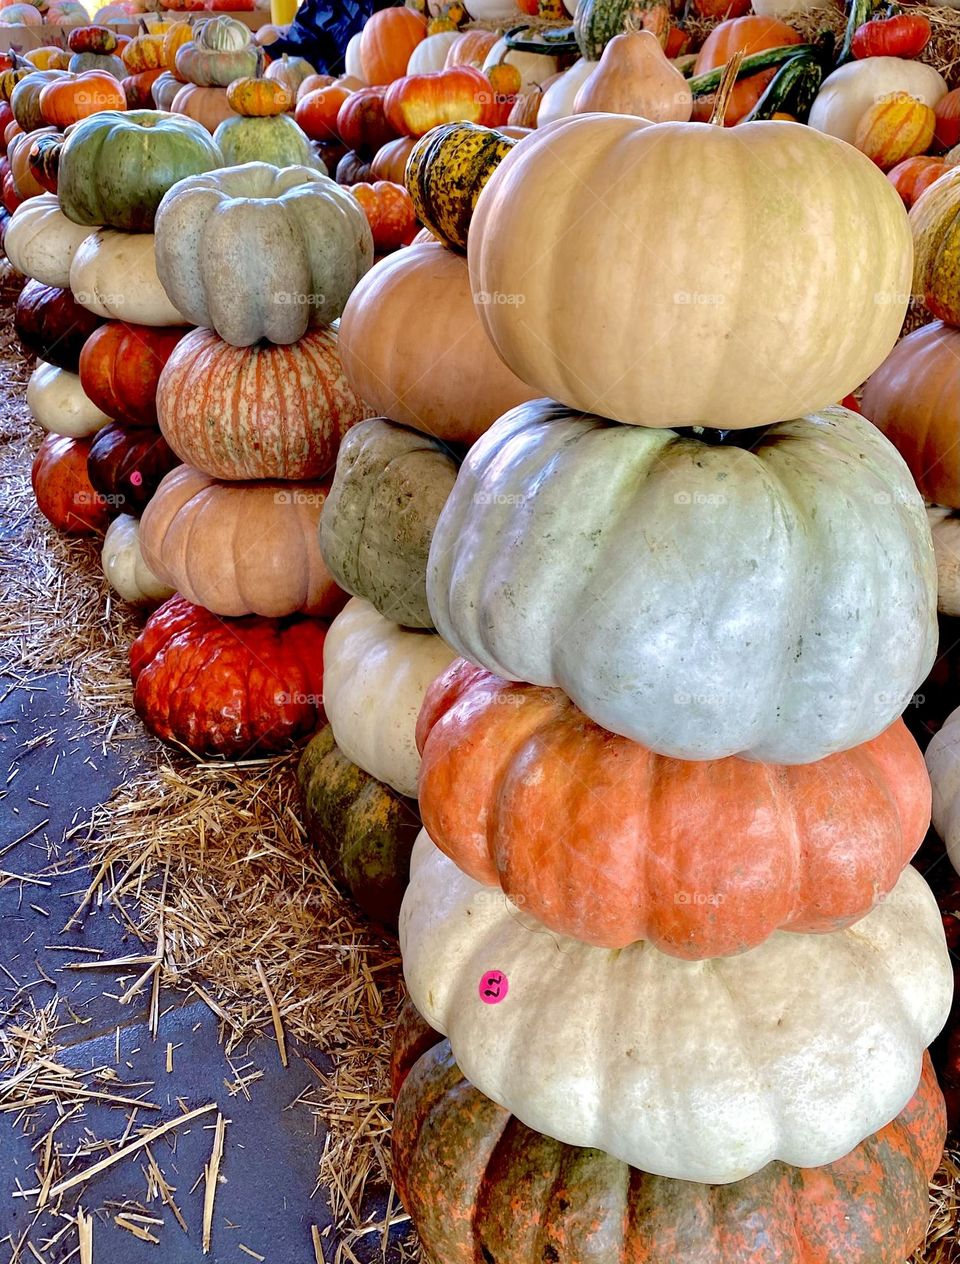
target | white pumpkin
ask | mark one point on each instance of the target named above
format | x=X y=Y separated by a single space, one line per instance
x=114 y=274
x=375 y=674
x=41 y=241
x=847 y=93
x=701 y=1070
x=58 y=402
x=431 y=54
x=123 y=565
x=492 y=10
x=945 y=528
x=557 y=101
x=783 y=9
x=352 y=64
x=943 y=765
x=534 y=68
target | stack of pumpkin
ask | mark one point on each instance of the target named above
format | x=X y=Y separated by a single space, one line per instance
x=206 y=59
x=255 y=404
x=662 y=908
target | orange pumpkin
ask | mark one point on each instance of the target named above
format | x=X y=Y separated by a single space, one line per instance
x=390 y=162
x=138 y=89
x=259 y=98
x=18 y=153
x=317 y=112
x=313 y=83
x=753 y=34
x=913 y=175
x=66 y=101
x=896 y=128
x=946 y=134
x=387 y=40
x=471 y=49
x=390 y=213
x=65 y=495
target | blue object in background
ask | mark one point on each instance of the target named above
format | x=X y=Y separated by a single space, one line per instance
x=322 y=29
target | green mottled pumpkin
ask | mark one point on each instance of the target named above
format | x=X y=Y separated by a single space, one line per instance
x=363 y=830
x=446 y=172
x=480 y=1186
x=388 y=490
x=279 y=141
x=597 y=22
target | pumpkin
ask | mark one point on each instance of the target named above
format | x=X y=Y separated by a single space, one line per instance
x=126 y=465
x=41 y=242
x=114 y=274
x=386 y=42
x=164 y=90
x=106 y=64
x=280 y=412
x=239 y=548
x=43 y=159
x=124 y=568
x=240 y=688
x=144 y=52
x=914 y=398
x=470 y=48
x=138 y=89
x=943 y=765
x=25 y=97
x=305 y=244
x=913 y=176
x=20 y=15
x=743 y=554
x=375 y=674
x=721 y=359
x=180 y=33
x=351 y=58
x=214 y=68
x=509 y=791
x=935 y=222
x=634 y=77
x=259 y=98
x=222 y=34
x=534 y=69
x=51 y=325
x=92 y=39
x=120 y=366
x=48 y=57
x=313 y=83
x=412 y=347
x=493 y=10
x=387 y=493
x=58 y=403
x=279 y=141
x=431 y=54
x=557 y=101
x=847 y=93
x=446 y=172
x=317 y=112
x=115 y=167
x=945 y=528
x=415 y=105
x=903 y=35
x=947 y=110
x=892 y=130
x=752 y=34
x=390 y=161
x=363 y=830
x=66 y=101
x=207 y=106
x=478 y=1185
x=18 y=155
x=777 y=1077
x=64 y=493
x=353 y=168
x=362 y=123
x=290 y=72
x=390 y=213
x=10 y=76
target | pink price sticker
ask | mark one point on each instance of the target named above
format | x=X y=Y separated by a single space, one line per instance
x=494 y=987
x=136 y=478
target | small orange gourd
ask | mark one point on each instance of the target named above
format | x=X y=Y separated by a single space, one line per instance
x=259 y=98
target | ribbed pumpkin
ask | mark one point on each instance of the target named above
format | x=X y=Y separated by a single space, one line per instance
x=40 y=241
x=213 y=67
x=145 y=52
x=390 y=162
x=753 y=34
x=892 y=130
x=935 y=222
x=138 y=89
x=259 y=98
x=600 y=839
x=413 y=349
x=943 y=762
x=445 y=174
x=386 y=42
x=52 y=325
x=234 y=688
x=389 y=488
x=914 y=398
x=471 y=49
x=164 y=90
x=363 y=830
x=257 y=412
x=479 y=1185
x=126 y=465
x=120 y=368
x=240 y=548
x=114 y=274
x=63 y=490
x=66 y=101
x=913 y=176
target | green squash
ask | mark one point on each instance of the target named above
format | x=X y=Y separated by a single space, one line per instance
x=215 y=67
x=278 y=140
x=109 y=62
x=597 y=22
x=388 y=490
x=363 y=830
x=25 y=98
x=116 y=166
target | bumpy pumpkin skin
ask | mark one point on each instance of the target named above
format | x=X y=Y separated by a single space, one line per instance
x=387 y=493
x=363 y=830
x=240 y=548
x=604 y=841
x=478 y=1184
x=261 y=253
x=51 y=325
x=254 y=413
x=244 y=687
x=120 y=367
x=775 y=1074
x=701 y=599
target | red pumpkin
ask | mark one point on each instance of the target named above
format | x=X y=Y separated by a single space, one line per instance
x=232 y=687
x=65 y=495
x=52 y=325
x=946 y=133
x=905 y=35
x=11 y=198
x=362 y=123
x=120 y=367
x=479 y=1185
x=317 y=112
x=419 y=102
x=753 y=34
x=601 y=839
x=330 y=153
x=126 y=464
x=390 y=214
x=313 y=83
x=353 y=169
x=390 y=162
x=6 y=118
x=913 y=175
x=138 y=88
x=92 y=39
x=387 y=40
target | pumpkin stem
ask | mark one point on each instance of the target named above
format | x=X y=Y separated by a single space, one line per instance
x=727 y=83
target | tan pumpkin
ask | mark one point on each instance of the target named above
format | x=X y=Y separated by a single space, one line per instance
x=413 y=349
x=239 y=548
x=935 y=223
x=208 y=106
x=634 y=77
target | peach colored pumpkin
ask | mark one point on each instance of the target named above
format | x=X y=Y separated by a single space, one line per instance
x=634 y=77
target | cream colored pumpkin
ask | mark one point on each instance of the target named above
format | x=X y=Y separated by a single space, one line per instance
x=701 y=1070
x=352 y=64
x=115 y=275
x=431 y=54
x=126 y=572
x=492 y=10
x=847 y=93
x=557 y=102
x=40 y=241
x=945 y=528
x=638 y=298
x=943 y=764
x=782 y=10
x=375 y=674
x=634 y=77
x=59 y=404
x=534 y=68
